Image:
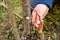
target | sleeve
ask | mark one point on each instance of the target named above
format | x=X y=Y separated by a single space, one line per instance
x=49 y=3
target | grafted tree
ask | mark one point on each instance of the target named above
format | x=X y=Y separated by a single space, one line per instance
x=27 y=17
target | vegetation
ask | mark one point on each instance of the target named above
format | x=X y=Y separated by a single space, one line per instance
x=51 y=21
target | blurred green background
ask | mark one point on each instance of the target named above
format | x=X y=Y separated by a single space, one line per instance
x=51 y=21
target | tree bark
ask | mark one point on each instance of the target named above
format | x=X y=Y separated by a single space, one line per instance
x=27 y=17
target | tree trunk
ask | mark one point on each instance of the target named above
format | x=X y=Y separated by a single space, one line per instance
x=27 y=17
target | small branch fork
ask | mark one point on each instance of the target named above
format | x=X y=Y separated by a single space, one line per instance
x=3 y=4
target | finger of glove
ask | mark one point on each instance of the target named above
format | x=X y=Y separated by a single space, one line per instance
x=34 y=17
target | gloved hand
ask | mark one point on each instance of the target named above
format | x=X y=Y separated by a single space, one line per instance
x=39 y=14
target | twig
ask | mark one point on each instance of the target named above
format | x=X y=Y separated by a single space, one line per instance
x=18 y=15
